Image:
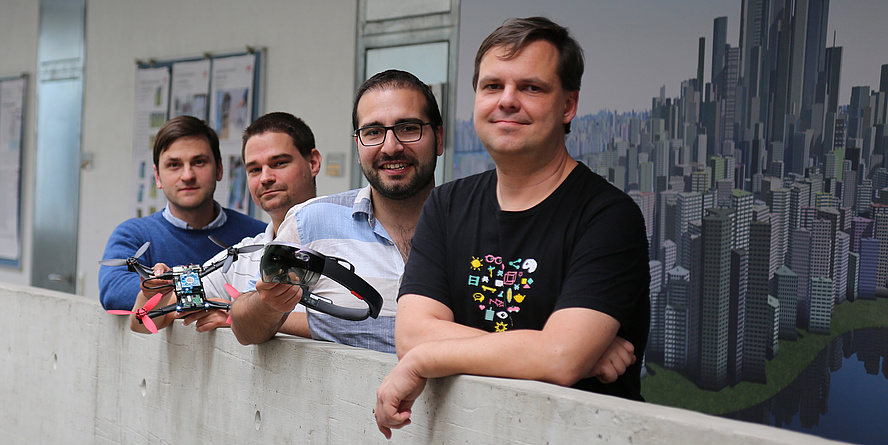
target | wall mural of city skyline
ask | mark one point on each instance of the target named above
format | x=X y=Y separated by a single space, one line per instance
x=763 y=180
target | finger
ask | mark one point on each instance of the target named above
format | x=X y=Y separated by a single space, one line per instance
x=160 y=268
x=213 y=320
x=204 y=327
x=192 y=317
x=607 y=373
x=625 y=345
x=386 y=425
x=387 y=432
x=283 y=299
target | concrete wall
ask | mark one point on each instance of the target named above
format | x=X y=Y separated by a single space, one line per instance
x=309 y=72
x=70 y=373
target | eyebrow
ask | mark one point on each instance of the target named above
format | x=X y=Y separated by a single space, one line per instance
x=523 y=80
x=277 y=157
x=405 y=120
x=200 y=157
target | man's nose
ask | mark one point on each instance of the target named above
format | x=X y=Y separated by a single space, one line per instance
x=509 y=98
x=267 y=175
x=391 y=144
x=187 y=172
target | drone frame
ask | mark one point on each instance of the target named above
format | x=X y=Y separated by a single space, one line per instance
x=187 y=282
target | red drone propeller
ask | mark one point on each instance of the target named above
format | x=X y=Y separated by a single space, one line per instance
x=142 y=313
x=234 y=294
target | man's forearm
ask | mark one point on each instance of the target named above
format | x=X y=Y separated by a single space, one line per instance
x=118 y=289
x=253 y=321
x=296 y=324
x=565 y=351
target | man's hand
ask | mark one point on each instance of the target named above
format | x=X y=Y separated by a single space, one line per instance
x=620 y=354
x=395 y=397
x=145 y=294
x=207 y=320
x=280 y=297
x=157 y=270
x=257 y=316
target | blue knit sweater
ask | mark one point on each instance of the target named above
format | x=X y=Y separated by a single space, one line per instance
x=171 y=245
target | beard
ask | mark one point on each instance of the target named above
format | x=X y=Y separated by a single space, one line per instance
x=423 y=175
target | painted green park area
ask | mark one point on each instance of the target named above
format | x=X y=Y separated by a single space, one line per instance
x=671 y=388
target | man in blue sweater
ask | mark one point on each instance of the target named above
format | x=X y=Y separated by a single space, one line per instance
x=187 y=165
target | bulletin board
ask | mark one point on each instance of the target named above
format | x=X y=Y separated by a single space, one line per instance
x=13 y=91
x=223 y=90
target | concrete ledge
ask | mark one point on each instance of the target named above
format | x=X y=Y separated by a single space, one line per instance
x=71 y=373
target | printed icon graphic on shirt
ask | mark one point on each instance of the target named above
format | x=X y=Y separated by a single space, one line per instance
x=495 y=282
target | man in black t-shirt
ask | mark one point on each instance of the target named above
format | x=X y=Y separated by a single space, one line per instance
x=535 y=270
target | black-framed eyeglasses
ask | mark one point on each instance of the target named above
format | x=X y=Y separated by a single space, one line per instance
x=406 y=132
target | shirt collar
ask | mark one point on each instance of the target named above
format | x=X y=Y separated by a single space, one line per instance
x=215 y=224
x=364 y=205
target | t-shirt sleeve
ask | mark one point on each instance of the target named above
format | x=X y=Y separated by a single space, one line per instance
x=608 y=270
x=425 y=272
x=214 y=282
x=288 y=231
x=251 y=284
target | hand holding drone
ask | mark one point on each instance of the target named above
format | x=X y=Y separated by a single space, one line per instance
x=185 y=281
x=281 y=263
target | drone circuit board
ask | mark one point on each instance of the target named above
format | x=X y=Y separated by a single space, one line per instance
x=189 y=289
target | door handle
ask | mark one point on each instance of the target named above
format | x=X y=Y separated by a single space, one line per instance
x=62 y=278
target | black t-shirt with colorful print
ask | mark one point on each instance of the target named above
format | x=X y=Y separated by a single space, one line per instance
x=583 y=246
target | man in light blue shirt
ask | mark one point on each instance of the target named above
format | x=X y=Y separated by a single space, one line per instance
x=399 y=136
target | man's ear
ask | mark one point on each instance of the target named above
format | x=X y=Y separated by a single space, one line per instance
x=439 y=139
x=314 y=162
x=219 y=171
x=157 y=178
x=570 y=106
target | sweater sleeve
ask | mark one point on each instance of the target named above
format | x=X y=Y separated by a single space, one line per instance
x=118 y=286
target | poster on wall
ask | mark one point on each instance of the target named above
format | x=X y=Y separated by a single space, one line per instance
x=12 y=98
x=190 y=89
x=231 y=107
x=782 y=317
x=152 y=96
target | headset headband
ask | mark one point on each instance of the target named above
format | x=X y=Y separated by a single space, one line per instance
x=290 y=263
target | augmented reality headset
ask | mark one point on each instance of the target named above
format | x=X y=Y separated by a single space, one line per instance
x=298 y=265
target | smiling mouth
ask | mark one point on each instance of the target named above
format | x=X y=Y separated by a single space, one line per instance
x=509 y=122
x=395 y=166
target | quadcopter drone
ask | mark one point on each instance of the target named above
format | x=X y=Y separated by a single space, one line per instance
x=281 y=263
x=186 y=282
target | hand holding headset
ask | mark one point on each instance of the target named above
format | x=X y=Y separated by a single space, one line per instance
x=290 y=263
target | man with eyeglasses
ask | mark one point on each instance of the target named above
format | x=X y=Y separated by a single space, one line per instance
x=399 y=136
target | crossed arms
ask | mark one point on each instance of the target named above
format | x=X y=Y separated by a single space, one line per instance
x=575 y=343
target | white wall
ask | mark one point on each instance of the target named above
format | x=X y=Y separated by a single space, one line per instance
x=19 y=25
x=310 y=66
x=91 y=380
